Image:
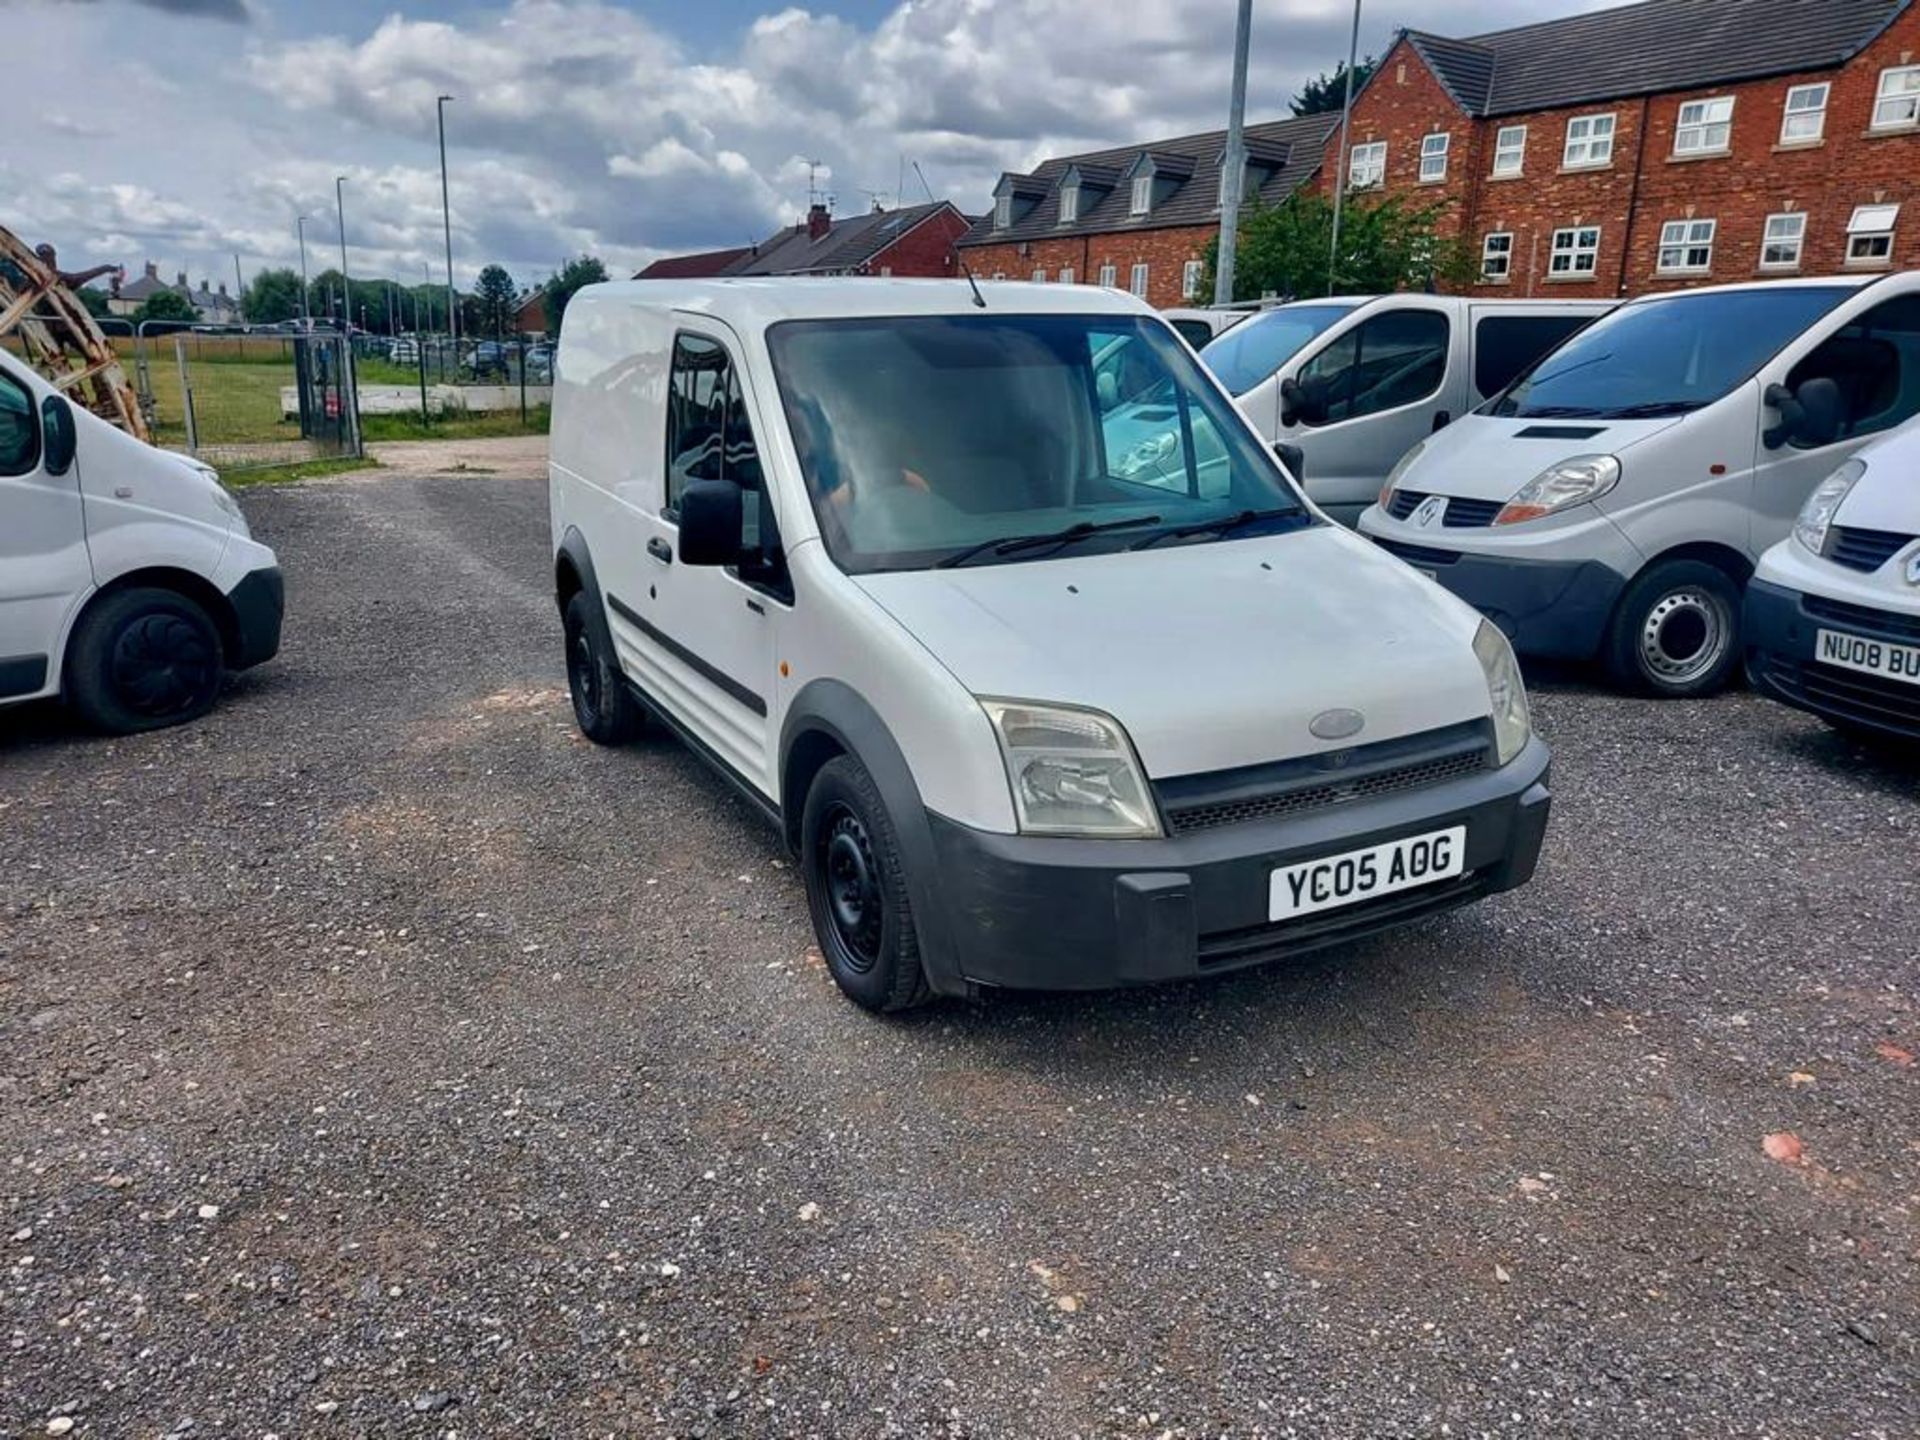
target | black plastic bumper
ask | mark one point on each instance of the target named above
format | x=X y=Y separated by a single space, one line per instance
x=1556 y=609
x=1781 y=629
x=259 y=606
x=1028 y=912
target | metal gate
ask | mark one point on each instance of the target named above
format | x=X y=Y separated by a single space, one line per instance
x=265 y=399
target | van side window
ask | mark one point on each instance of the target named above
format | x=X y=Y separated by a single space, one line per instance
x=1381 y=364
x=1504 y=345
x=1150 y=433
x=19 y=429
x=1875 y=360
x=696 y=414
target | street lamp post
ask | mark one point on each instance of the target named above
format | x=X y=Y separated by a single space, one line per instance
x=340 y=209
x=306 y=313
x=1233 y=166
x=446 y=214
x=1340 y=165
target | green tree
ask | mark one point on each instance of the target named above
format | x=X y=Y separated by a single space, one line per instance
x=499 y=298
x=1326 y=94
x=1385 y=244
x=165 y=305
x=579 y=271
x=272 y=296
x=95 y=299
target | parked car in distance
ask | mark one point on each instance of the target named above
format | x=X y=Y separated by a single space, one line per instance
x=487 y=358
x=1833 y=611
x=1200 y=326
x=1032 y=708
x=1356 y=382
x=538 y=361
x=1612 y=502
x=405 y=350
x=129 y=584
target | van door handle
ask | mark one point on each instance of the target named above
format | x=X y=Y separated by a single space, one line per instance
x=660 y=550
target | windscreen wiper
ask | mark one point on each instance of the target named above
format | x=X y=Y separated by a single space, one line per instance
x=1012 y=545
x=1652 y=410
x=1225 y=525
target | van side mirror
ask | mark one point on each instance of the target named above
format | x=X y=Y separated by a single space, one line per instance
x=1293 y=457
x=1809 y=415
x=1303 y=402
x=711 y=520
x=59 y=438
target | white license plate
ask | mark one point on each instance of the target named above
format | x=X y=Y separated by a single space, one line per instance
x=1873 y=657
x=1336 y=880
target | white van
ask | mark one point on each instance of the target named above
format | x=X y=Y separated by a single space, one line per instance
x=129 y=584
x=1200 y=325
x=1036 y=703
x=1833 y=611
x=1355 y=382
x=1613 y=501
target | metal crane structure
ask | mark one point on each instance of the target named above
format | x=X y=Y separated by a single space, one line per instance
x=56 y=335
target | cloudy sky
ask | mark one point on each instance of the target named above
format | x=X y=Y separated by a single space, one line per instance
x=184 y=131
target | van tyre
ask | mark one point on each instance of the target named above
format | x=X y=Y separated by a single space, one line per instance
x=1676 y=633
x=857 y=890
x=603 y=707
x=143 y=659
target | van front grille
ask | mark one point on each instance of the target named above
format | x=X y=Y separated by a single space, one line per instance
x=1461 y=514
x=1866 y=550
x=1863 y=617
x=1868 y=699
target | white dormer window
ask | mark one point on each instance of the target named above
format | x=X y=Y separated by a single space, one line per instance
x=1367 y=166
x=1433 y=158
x=1142 y=195
x=1069 y=204
x=1705 y=127
x=1003 y=212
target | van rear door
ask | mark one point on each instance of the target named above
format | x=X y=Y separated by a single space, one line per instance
x=44 y=567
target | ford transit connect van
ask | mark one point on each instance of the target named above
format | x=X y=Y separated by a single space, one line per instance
x=1358 y=381
x=129 y=583
x=1833 y=611
x=1037 y=701
x=1612 y=502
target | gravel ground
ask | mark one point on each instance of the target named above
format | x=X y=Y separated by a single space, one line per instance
x=378 y=1058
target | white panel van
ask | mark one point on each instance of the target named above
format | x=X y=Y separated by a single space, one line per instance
x=1833 y=611
x=1612 y=502
x=129 y=583
x=1355 y=382
x=1039 y=697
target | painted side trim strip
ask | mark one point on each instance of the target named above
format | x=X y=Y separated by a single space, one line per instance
x=751 y=699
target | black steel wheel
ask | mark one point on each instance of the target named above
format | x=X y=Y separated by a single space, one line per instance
x=857 y=891
x=143 y=659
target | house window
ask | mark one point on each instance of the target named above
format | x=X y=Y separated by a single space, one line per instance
x=1069 y=204
x=1190 y=279
x=1783 y=240
x=1433 y=158
x=1367 y=166
x=1805 y=120
x=1040 y=276
x=1509 y=149
x=1109 y=276
x=1898 y=104
x=1686 y=247
x=1003 y=212
x=1142 y=195
x=1496 y=255
x=1576 y=251
x=1138 y=283
x=1705 y=127
x=1066 y=275
x=1589 y=141
x=1870 y=234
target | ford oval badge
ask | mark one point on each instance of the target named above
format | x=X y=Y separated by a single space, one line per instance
x=1337 y=724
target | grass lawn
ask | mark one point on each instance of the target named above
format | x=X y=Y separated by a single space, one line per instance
x=235 y=402
x=284 y=474
x=459 y=427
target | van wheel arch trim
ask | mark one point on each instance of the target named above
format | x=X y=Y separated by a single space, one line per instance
x=834 y=710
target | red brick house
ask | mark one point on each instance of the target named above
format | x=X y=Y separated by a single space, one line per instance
x=916 y=240
x=1658 y=145
x=1138 y=216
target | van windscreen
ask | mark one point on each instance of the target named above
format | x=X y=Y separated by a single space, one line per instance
x=1667 y=356
x=981 y=439
x=1252 y=350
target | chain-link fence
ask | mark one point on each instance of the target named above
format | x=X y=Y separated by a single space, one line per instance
x=470 y=379
x=242 y=400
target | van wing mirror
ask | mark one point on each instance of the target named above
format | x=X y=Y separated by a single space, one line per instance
x=1304 y=401
x=59 y=438
x=1809 y=414
x=1781 y=399
x=711 y=521
x=1293 y=457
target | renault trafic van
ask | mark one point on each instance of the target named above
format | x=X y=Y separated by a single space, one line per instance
x=1356 y=382
x=1612 y=502
x=129 y=583
x=1833 y=612
x=1037 y=702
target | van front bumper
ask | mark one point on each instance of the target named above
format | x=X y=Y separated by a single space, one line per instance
x=1781 y=628
x=259 y=606
x=1555 y=609
x=1032 y=912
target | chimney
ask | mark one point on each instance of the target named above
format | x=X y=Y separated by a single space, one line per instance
x=153 y=271
x=223 y=290
x=180 y=283
x=819 y=221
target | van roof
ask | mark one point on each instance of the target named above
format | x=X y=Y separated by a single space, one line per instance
x=1795 y=282
x=756 y=302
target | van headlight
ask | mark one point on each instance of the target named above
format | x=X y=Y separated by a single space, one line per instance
x=1816 y=516
x=1574 y=481
x=1072 y=772
x=1400 y=467
x=1506 y=692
